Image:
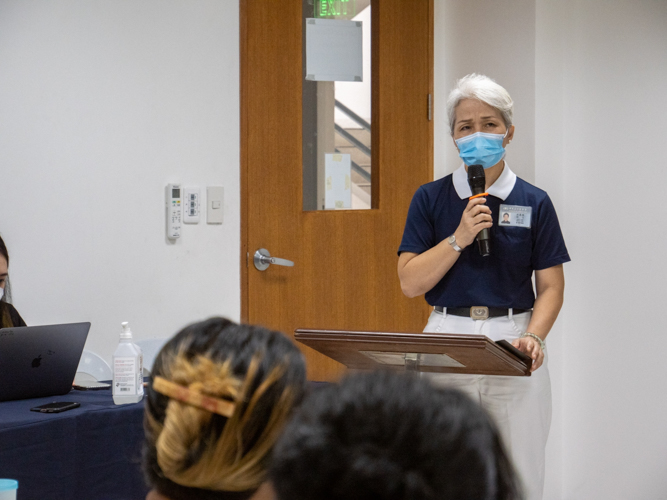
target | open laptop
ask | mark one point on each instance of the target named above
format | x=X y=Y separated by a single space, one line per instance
x=40 y=361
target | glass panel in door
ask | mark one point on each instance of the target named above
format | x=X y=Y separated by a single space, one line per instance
x=336 y=105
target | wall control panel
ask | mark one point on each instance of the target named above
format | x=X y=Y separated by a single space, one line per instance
x=191 y=205
x=215 y=202
x=174 y=210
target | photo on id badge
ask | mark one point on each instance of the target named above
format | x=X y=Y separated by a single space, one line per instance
x=514 y=216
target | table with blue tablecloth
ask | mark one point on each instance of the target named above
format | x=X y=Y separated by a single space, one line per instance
x=89 y=453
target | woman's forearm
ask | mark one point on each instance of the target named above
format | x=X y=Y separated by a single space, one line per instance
x=419 y=273
x=550 y=285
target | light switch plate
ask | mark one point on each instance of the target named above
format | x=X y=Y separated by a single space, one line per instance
x=215 y=203
x=191 y=205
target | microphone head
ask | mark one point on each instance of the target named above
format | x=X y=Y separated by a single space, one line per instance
x=476 y=178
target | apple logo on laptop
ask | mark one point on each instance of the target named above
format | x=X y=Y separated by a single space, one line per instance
x=37 y=361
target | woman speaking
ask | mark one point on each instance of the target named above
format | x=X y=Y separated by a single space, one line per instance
x=9 y=316
x=491 y=294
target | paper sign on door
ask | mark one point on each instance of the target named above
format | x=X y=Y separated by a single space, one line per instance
x=338 y=189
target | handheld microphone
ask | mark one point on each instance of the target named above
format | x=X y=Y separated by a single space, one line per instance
x=477 y=182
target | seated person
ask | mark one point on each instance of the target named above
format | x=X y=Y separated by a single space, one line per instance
x=391 y=436
x=9 y=316
x=219 y=397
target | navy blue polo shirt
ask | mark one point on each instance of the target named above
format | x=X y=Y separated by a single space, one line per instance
x=502 y=279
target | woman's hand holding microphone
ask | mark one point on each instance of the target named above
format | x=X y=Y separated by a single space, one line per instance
x=476 y=216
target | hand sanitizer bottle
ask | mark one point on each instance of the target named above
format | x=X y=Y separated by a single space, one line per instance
x=128 y=380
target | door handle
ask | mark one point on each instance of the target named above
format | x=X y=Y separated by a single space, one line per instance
x=263 y=260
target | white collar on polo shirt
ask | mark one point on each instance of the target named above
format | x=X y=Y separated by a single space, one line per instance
x=500 y=189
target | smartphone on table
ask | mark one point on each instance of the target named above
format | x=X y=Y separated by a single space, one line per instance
x=55 y=407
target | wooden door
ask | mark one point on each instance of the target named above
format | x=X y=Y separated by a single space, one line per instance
x=345 y=261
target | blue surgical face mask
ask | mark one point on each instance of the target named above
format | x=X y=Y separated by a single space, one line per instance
x=481 y=149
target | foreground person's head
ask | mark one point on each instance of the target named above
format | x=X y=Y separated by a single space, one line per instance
x=385 y=436
x=4 y=267
x=219 y=397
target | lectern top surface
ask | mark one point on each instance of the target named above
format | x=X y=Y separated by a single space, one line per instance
x=426 y=352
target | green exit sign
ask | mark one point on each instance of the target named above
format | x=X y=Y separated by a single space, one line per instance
x=335 y=8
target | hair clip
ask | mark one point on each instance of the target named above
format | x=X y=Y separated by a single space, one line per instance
x=194 y=398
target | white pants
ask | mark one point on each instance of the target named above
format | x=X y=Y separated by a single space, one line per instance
x=520 y=406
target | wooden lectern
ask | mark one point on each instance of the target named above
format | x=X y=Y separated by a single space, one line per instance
x=422 y=352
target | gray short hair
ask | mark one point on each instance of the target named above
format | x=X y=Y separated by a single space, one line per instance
x=482 y=88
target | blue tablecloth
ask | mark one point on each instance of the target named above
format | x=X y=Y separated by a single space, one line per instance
x=89 y=453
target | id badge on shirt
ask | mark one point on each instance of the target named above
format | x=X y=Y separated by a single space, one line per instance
x=514 y=215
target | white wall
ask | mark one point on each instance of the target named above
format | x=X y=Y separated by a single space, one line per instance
x=605 y=68
x=102 y=103
x=549 y=57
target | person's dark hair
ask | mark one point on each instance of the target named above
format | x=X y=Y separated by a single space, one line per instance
x=3 y=250
x=6 y=297
x=506 y=214
x=8 y=315
x=390 y=436
x=193 y=453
